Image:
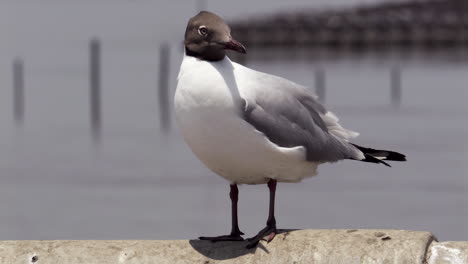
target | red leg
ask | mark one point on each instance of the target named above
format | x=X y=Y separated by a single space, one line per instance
x=235 y=231
x=270 y=231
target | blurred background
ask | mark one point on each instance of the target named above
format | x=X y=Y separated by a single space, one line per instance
x=89 y=148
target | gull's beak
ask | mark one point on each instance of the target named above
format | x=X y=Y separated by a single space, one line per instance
x=233 y=44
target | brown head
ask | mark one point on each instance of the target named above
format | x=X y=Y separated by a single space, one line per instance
x=207 y=37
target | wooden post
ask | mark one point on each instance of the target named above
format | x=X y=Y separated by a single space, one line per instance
x=18 y=91
x=395 y=86
x=95 y=88
x=164 y=112
x=320 y=84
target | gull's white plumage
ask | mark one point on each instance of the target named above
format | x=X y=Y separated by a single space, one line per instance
x=207 y=110
x=251 y=127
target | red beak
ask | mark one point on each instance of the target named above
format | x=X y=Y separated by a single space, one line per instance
x=235 y=45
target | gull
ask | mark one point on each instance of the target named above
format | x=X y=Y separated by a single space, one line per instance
x=251 y=127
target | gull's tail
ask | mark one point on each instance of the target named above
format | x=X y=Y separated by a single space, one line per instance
x=378 y=155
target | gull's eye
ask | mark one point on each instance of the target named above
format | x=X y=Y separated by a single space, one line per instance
x=202 y=30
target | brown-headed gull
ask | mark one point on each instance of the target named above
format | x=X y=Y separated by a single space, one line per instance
x=251 y=127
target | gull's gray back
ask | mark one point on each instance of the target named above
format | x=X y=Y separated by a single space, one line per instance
x=290 y=115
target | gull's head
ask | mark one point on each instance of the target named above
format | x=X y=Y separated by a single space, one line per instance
x=208 y=37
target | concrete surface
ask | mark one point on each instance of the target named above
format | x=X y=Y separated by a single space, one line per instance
x=450 y=252
x=292 y=246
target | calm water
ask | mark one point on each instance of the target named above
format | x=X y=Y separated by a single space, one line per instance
x=139 y=183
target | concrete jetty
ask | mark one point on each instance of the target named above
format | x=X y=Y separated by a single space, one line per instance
x=293 y=246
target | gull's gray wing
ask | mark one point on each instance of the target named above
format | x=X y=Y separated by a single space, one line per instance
x=289 y=115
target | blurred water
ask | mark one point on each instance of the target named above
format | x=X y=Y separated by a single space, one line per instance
x=140 y=184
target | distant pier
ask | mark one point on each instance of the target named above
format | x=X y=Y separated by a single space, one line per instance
x=423 y=23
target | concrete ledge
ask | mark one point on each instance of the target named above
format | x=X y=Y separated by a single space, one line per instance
x=299 y=246
x=450 y=252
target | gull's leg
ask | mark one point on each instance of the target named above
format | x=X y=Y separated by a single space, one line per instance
x=235 y=232
x=269 y=232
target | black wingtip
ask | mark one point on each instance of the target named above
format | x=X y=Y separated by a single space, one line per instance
x=389 y=155
x=369 y=158
x=395 y=156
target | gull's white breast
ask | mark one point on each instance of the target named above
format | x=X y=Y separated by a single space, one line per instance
x=208 y=110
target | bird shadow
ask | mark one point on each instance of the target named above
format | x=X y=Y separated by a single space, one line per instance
x=225 y=69
x=229 y=249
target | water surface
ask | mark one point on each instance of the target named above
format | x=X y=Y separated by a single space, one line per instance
x=141 y=184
